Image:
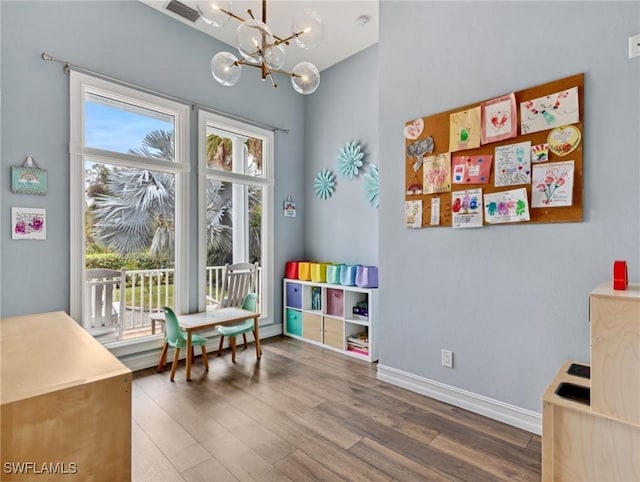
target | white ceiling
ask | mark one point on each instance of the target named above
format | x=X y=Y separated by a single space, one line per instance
x=343 y=34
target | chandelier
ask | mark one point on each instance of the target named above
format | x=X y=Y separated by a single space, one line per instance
x=260 y=48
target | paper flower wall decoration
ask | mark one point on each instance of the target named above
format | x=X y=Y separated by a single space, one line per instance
x=372 y=185
x=350 y=160
x=324 y=184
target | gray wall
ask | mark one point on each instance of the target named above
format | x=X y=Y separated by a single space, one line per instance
x=510 y=301
x=343 y=228
x=135 y=43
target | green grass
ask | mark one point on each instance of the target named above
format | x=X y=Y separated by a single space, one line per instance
x=150 y=296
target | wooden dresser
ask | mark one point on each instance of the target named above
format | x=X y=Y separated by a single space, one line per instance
x=65 y=403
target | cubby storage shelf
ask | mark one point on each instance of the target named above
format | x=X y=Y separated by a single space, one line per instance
x=322 y=314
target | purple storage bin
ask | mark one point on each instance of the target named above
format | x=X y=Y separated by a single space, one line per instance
x=367 y=276
x=348 y=274
x=294 y=295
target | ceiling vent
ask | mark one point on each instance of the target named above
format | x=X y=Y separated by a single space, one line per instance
x=185 y=11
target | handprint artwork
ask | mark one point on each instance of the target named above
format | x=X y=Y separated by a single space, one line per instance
x=467 y=208
x=506 y=206
x=555 y=110
x=499 y=119
x=413 y=214
x=464 y=130
x=437 y=174
x=540 y=153
x=513 y=164
x=552 y=185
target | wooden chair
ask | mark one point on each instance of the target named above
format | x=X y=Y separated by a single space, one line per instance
x=102 y=311
x=250 y=303
x=238 y=280
x=178 y=339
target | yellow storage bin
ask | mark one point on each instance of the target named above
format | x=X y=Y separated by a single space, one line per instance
x=319 y=272
x=304 y=270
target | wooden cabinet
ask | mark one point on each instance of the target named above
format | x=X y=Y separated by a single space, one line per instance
x=580 y=444
x=333 y=332
x=591 y=425
x=615 y=352
x=312 y=327
x=340 y=318
x=65 y=403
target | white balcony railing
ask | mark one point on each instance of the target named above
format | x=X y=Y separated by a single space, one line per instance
x=146 y=292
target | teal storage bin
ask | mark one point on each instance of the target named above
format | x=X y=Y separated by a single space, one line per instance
x=348 y=274
x=294 y=322
x=333 y=274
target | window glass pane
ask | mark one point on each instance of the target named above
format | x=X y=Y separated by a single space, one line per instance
x=232 y=152
x=255 y=224
x=120 y=127
x=129 y=229
x=219 y=223
x=234 y=230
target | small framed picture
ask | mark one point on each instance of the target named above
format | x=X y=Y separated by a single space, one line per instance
x=29 y=223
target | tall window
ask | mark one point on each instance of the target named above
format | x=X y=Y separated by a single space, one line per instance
x=236 y=200
x=129 y=193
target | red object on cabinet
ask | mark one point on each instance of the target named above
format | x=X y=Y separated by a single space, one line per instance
x=620 y=281
x=291 y=270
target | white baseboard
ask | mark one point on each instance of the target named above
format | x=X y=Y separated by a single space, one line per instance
x=488 y=407
x=147 y=359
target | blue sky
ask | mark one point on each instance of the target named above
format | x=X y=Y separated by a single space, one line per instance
x=116 y=129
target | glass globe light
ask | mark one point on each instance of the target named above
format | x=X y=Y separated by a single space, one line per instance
x=252 y=37
x=275 y=57
x=309 y=27
x=211 y=13
x=224 y=70
x=305 y=78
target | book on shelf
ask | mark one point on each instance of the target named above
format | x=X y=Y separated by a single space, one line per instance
x=359 y=339
x=360 y=317
x=360 y=351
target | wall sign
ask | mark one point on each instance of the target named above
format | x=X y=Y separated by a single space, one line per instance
x=289 y=207
x=28 y=178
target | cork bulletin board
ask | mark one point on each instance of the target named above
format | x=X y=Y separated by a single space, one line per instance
x=543 y=124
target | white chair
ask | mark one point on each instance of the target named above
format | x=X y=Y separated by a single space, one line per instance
x=238 y=280
x=102 y=311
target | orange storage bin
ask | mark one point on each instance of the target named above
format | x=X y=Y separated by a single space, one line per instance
x=304 y=270
x=319 y=272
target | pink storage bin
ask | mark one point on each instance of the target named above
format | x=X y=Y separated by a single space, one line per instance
x=335 y=302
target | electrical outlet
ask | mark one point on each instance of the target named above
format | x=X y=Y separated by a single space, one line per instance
x=634 y=46
x=447 y=358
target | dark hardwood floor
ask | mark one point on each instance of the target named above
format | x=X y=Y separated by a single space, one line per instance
x=305 y=413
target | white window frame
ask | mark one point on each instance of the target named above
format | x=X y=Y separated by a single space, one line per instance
x=266 y=182
x=80 y=85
